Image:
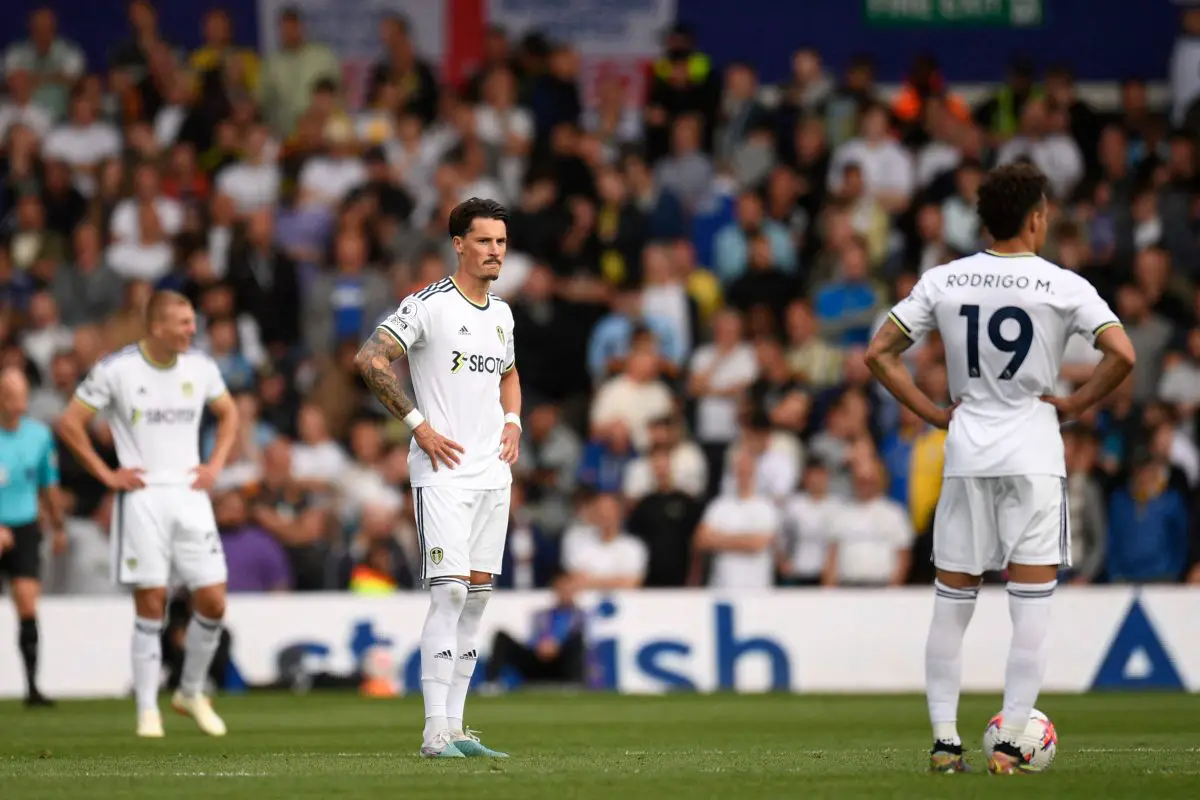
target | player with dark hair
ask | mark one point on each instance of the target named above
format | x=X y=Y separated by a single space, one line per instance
x=458 y=338
x=1005 y=316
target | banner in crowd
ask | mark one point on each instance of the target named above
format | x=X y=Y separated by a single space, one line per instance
x=958 y=13
x=658 y=641
x=612 y=36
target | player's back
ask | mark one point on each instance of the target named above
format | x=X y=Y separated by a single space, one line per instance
x=1005 y=321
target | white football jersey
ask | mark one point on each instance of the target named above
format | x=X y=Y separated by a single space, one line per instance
x=457 y=352
x=1005 y=321
x=154 y=411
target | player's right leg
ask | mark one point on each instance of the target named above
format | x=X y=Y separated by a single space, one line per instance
x=443 y=518
x=1037 y=540
x=963 y=547
x=141 y=559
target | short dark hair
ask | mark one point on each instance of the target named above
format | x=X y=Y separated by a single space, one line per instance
x=1006 y=197
x=466 y=212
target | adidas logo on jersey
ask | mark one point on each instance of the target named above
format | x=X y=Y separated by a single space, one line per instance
x=446 y=654
x=470 y=656
x=463 y=331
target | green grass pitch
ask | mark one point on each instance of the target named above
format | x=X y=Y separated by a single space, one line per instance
x=589 y=746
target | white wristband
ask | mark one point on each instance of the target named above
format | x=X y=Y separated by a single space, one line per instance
x=413 y=419
x=514 y=418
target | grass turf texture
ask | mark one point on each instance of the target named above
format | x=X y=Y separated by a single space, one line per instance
x=588 y=746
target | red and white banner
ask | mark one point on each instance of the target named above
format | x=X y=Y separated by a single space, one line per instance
x=619 y=36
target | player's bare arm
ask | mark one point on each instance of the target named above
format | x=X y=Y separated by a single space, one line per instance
x=374 y=362
x=72 y=427
x=1118 y=361
x=883 y=357
x=225 y=410
x=510 y=401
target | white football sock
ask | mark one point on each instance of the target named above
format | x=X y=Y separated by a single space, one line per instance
x=147 y=662
x=200 y=645
x=447 y=596
x=464 y=666
x=952 y=612
x=1029 y=607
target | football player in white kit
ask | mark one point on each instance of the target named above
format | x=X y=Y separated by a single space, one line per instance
x=1005 y=316
x=155 y=394
x=458 y=339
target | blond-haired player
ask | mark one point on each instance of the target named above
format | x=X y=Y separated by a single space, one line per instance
x=154 y=395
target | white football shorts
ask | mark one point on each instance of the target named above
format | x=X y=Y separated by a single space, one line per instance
x=160 y=527
x=985 y=524
x=460 y=530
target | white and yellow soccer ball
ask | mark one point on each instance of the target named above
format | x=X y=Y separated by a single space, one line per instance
x=1038 y=744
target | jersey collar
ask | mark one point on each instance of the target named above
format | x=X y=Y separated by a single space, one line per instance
x=1009 y=255
x=463 y=295
x=156 y=364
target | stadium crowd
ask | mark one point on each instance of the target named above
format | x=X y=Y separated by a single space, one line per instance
x=694 y=281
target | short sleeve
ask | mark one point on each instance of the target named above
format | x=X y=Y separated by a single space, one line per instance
x=96 y=391
x=914 y=314
x=1089 y=315
x=638 y=556
x=510 y=349
x=214 y=383
x=48 y=464
x=407 y=324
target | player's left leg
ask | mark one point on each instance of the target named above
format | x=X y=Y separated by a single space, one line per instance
x=200 y=560
x=488 y=532
x=963 y=541
x=24 y=564
x=1038 y=542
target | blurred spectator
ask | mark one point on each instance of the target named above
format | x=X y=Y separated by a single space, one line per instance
x=254 y=181
x=317 y=460
x=689 y=469
x=686 y=172
x=87 y=289
x=887 y=168
x=375 y=563
x=815 y=363
x=1044 y=139
x=290 y=74
x=530 y=555
x=266 y=282
x=683 y=82
x=807 y=518
x=778 y=459
x=733 y=242
x=256 y=560
x=401 y=67
x=555 y=652
x=82 y=142
x=1085 y=498
x=664 y=517
x=633 y=397
x=50 y=399
x=847 y=306
x=1150 y=334
x=345 y=303
x=286 y=511
x=45 y=334
x=549 y=463
x=1148 y=537
x=19 y=108
x=1000 y=114
x=870 y=534
x=741 y=532
x=597 y=553
x=236 y=68
x=142 y=227
x=721 y=372
x=51 y=64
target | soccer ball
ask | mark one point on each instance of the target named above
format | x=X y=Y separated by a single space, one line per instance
x=1038 y=744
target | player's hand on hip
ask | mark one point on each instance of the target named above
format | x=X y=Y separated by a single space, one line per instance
x=126 y=479
x=206 y=477
x=510 y=443
x=1065 y=407
x=437 y=447
x=942 y=418
x=6 y=538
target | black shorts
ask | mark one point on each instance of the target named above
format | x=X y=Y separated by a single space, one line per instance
x=24 y=558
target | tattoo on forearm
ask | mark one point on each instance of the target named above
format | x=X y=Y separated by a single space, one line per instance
x=374 y=362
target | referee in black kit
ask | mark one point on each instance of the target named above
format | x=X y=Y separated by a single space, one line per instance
x=28 y=480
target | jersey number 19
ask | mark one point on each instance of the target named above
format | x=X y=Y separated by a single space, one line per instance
x=1018 y=346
